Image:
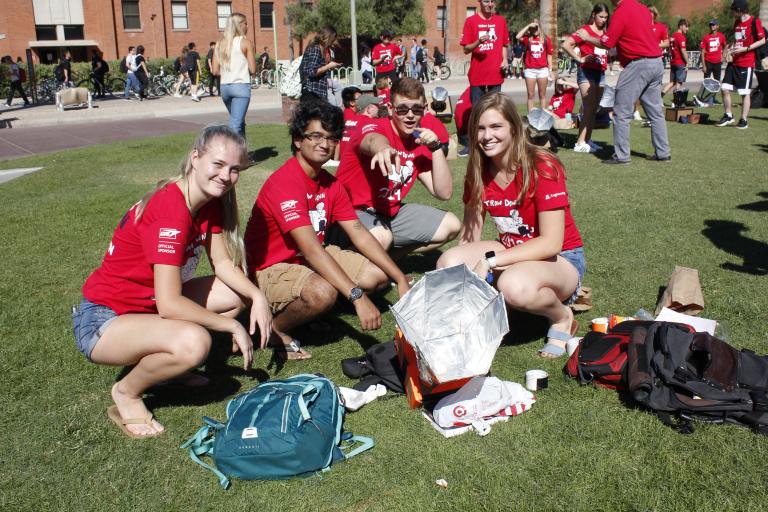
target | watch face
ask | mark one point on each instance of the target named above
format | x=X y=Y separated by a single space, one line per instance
x=355 y=293
x=490 y=254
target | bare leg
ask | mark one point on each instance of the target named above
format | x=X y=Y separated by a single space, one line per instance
x=530 y=86
x=542 y=83
x=317 y=297
x=746 y=103
x=383 y=236
x=727 y=103
x=588 y=100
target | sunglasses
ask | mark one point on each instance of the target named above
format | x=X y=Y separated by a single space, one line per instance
x=402 y=110
x=318 y=138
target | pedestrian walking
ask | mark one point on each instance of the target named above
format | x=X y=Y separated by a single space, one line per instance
x=213 y=80
x=99 y=68
x=316 y=65
x=131 y=82
x=192 y=63
x=13 y=74
x=142 y=72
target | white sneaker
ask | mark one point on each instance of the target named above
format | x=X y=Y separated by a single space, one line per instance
x=195 y=98
x=636 y=116
x=594 y=146
x=177 y=95
x=582 y=148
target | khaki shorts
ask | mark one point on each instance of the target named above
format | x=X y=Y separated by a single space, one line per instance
x=282 y=282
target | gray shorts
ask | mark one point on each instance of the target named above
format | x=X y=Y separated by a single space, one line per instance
x=414 y=224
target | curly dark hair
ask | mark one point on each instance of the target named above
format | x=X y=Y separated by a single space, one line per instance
x=330 y=117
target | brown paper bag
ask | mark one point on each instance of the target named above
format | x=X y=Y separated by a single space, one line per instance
x=683 y=293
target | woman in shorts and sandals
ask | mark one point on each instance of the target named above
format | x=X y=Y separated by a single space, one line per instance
x=538 y=260
x=538 y=63
x=143 y=308
x=591 y=73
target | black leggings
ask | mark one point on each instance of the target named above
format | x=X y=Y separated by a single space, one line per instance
x=714 y=70
x=16 y=86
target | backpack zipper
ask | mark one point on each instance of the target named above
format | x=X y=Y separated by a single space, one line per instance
x=284 y=423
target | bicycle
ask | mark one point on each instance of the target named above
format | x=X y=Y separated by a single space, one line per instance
x=47 y=89
x=111 y=85
x=265 y=77
x=445 y=71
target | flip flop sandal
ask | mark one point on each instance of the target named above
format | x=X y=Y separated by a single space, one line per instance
x=114 y=414
x=553 y=350
x=292 y=351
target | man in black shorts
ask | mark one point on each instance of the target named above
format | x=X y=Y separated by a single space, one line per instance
x=192 y=63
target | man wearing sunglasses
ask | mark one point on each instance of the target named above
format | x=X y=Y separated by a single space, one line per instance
x=388 y=156
x=286 y=233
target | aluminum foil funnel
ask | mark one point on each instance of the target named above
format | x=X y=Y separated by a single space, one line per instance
x=455 y=322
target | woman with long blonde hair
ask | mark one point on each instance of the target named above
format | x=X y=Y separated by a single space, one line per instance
x=144 y=308
x=538 y=260
x=234 y=59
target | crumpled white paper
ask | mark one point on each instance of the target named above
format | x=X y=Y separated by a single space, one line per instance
x=354 y=399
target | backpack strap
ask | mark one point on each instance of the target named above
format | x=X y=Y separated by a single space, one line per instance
x=201 y=444
x=366 y=443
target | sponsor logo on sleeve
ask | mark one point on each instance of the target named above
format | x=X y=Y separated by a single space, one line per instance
x=288 y=205
x=547 y=197
x=168 y=233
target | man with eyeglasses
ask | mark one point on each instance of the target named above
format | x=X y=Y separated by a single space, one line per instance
x=486 y=37
x=388 y=156
x=284 y=239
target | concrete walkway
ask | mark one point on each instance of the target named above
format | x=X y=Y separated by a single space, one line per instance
x=43 y=129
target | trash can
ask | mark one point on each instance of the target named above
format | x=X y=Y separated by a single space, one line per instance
x=450 y=325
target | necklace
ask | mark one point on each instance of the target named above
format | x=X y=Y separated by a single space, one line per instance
x=505 y=178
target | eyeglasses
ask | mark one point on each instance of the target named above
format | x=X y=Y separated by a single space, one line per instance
x=402 y=110
x=317 y=138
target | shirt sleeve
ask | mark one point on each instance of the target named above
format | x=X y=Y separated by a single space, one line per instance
x=342 y=208
x=164 y=238
x=468 y=33
x=505 y=40
x=288 y=206
x=615 y=28
x=550 y=193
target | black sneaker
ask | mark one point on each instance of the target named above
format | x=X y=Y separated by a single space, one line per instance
x=742 y=124
x=725 y=121
x=463 y=152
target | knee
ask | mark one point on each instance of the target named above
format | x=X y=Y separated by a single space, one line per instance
x=517 y=292
x=318 y=294
x=384 y=237
x=449 y=258
x=449 y=228
x=192 y=345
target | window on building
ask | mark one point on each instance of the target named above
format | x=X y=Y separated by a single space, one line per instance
x=179 y=17
x=441 y=18
x=265 y=14
x=471 y=11
x=45 y=32
x=131 y=17
x=223 y=12
x=74 y=32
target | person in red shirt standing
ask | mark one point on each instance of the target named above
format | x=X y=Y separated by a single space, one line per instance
x=461 y=112
x=662 y=34
x=712 y=46
x=678 y=66
x=631 y=33
x=748 y=34
x=390 y=155
x=590 y=78
x=538 y=62
x=144 y=308
x=486 y=37
x=384 y=57
x=537 y=262
x=285 y=239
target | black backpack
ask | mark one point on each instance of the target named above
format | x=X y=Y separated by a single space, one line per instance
x=123 y=65
x=420 y=55
x=58 y=73
x=683 y=376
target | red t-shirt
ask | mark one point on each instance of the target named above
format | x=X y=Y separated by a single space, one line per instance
x=166 y=234
x=290 y=199
x=350 y=124
x=743 y=37
x=384 y=94
x=712 y=46
x=367 y=187
x=631 y=31
x=349 y=113
x=519 y=223
x=433 y=123
x=677 y=46
x=388 y=52
x=661 y=31
x=536 y=51
x=485 y=66
x=461 y=112
x=589 y=49
x=564 y=103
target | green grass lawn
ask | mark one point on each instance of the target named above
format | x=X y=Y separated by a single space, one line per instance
x=579 y=448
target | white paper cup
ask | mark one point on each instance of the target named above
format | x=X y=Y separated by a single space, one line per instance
x=571 y=345
x=536 y=379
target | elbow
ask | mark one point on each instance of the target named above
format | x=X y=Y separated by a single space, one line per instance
x=167 y=309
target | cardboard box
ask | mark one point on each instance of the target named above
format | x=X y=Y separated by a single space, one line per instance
x=673 y=114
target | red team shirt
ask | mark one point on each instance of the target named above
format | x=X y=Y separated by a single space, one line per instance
x=433 y=123
x=628 y=31
x=536 y=51
x=743 y=37
x=564 y=103
x=389 y=52
x=519 y=223
x=677 y=47
x=661 y=31
x=586 y=49
x=166 y=234
x=288 y=200
x=384 y=94
x=461 y=112
x=485 y=67
x=712 y=46
x=367 y=187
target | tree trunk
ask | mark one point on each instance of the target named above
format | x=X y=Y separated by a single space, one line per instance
x=548 y=20
x=763 y=13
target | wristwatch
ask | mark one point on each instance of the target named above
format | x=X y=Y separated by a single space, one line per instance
x=490 y=257
x=354 y=294
x=435 y=146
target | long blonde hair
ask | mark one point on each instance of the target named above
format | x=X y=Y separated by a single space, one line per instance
x=230 y=216
x=522 y=155
x=231 y=31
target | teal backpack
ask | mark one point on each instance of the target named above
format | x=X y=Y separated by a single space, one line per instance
x=279 y=429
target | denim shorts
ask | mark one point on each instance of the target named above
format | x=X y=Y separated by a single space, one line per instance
x=593 y=76
x=89 y=321
x=576 y=258
x=678 y=74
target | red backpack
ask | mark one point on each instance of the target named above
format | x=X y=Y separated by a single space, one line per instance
x=601 y=358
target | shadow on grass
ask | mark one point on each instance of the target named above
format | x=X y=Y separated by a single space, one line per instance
x=524 y=328
x=259 y=155
x=728 y=236
x=757 y=206
x=763 y=147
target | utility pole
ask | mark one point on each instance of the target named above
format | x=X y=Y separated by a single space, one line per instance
x=356 y=77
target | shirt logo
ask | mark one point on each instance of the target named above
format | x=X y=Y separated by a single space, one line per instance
x=287 y=205
x=168 y=233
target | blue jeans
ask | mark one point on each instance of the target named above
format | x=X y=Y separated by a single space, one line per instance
x=236 y=98
x=89 y=321
x=131 y=83
x=576 y=258
x=478 y=91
